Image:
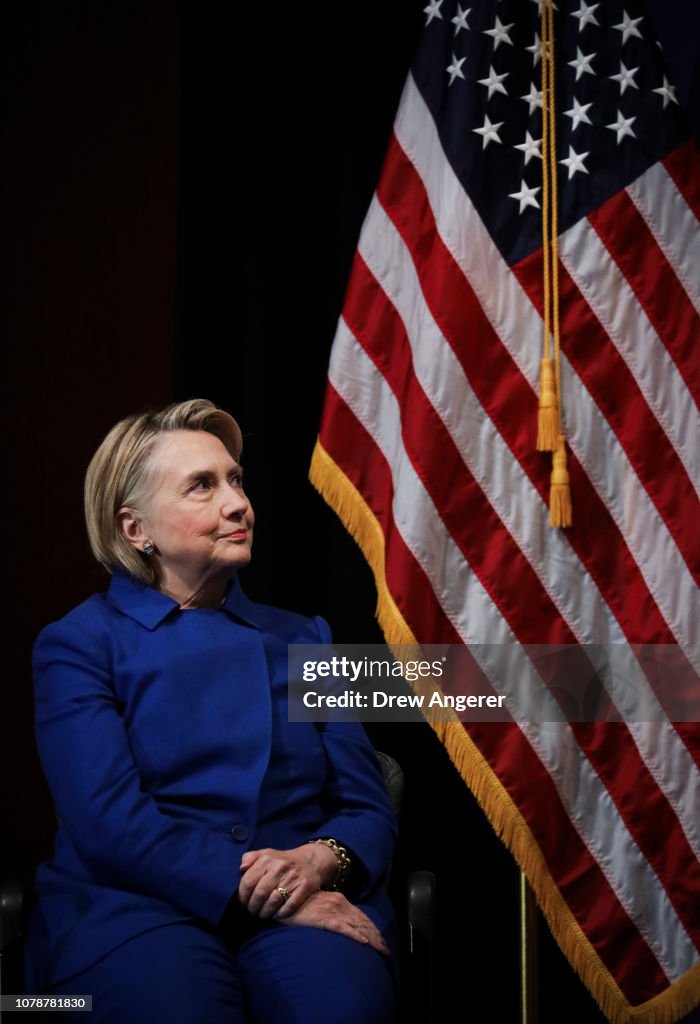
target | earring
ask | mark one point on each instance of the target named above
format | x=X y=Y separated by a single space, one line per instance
x=148 y=547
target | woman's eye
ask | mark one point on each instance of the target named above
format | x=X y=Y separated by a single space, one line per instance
x=205 y=484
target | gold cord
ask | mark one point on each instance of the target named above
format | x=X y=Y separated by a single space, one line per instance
x=550 y=435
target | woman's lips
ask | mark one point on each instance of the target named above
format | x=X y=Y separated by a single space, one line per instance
x=235 y=535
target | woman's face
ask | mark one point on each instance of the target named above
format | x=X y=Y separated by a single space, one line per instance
x=198 y=516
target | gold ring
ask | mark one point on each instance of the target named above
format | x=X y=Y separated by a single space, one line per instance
x=284 y=893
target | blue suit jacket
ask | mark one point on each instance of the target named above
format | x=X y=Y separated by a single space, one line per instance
x=164 y=737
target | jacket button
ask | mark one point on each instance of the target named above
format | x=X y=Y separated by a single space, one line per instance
x=240 y=833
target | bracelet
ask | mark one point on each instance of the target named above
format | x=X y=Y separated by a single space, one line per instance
x=344 y=863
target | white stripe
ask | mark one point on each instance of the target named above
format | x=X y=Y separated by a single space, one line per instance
x=672 y=223
x=510 y=492
x=607 y=292
x=586 y=799
x=519 y=326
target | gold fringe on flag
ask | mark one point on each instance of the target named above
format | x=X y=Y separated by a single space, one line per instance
x=550 y=436
x=667 y=1007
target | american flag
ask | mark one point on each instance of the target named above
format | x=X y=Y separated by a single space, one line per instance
x=427 y=448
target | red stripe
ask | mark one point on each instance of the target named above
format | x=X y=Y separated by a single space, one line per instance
x=690 y=734
x=683 y=164
x=573 y=868
x=511 y=403
x=606 y=375
x=487 y=546
x=627 y=237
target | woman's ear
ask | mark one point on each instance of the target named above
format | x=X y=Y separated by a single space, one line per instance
x=131 y=527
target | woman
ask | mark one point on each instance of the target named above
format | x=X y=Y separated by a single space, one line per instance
x=214 y=862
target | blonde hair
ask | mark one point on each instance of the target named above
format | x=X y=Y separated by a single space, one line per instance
x=121 y=473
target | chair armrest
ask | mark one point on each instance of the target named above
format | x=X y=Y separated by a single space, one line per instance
x=422 y=989
x=422 y=910
x=12 y=907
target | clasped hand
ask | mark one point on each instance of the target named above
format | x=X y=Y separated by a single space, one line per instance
x=302 y=871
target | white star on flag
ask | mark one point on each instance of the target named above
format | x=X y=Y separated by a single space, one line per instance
x=623 y=126
x=526 y=196
x=585 y=15
x=574 y=162
x=625 y=78
x=494 y=82
x=628 y=27
x=578 y=114
x=489 y=132
x=433 y=10
x=535 y=50
x=582 y=63
x=530 y=147
x=667 y=91
x=533 y=98
x=499 y=33
x=454 y=69
x=460 y=19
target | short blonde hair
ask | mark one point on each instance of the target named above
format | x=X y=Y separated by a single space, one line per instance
x=121 y=473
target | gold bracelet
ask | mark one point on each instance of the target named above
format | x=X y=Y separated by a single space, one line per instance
x=344 y=863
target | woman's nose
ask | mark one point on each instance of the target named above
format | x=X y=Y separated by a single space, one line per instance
x=234 y=502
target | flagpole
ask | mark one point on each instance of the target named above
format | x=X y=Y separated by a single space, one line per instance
x=528 y=952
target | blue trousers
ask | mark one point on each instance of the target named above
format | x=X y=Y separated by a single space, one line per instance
x=183 y=974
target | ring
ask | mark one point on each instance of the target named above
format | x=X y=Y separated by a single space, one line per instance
x=284 y=893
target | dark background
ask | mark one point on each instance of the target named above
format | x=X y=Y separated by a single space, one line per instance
x=183 y=188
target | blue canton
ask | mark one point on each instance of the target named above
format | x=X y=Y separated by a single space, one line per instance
x=479 y=70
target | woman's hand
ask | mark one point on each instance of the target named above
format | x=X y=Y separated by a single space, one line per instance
x=333 y=912
x=301 y=871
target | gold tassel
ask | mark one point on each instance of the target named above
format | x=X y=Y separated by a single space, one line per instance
x=548 y=414
x=560 y=511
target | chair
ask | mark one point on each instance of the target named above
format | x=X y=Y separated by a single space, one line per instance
x=15 y=900
x=419 y=908
x=419 y=913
